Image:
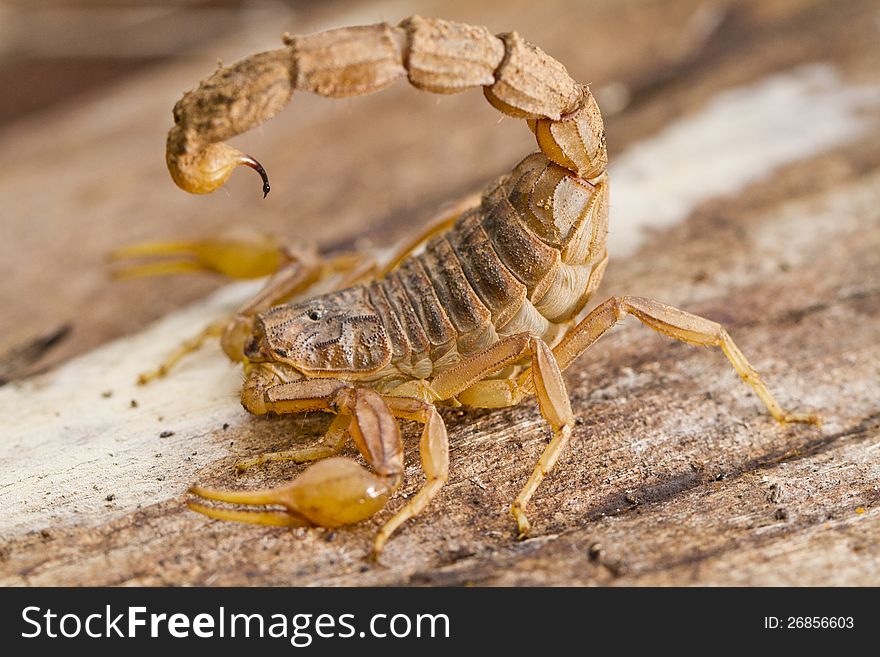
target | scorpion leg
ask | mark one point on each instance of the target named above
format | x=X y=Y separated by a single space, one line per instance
x=359 y=268
x=185 y=348
x=333 y=491
x=434 y=450
x=465 y=382
x=676 y=324
x=444 y=222
x=670 y=321
x=331 y=444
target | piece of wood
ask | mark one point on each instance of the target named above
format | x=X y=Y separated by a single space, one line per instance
x=675 y=475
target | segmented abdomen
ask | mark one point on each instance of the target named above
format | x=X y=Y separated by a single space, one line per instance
x=526 y=260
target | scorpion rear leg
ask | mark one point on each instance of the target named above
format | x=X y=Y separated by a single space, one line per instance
x=544 y=378
x=676 y=324
x=664 y=319
x=438 y=225
x=367 y=268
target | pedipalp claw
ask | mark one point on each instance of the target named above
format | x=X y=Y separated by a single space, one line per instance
x=329 y=493
x=272 y=518
x=249 y=497
x=239 y=254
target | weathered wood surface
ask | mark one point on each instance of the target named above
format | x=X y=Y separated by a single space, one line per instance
x=675 y=474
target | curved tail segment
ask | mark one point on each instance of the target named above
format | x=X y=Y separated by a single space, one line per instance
x=518 y=78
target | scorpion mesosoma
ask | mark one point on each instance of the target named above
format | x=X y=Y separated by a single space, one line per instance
x=484 y=315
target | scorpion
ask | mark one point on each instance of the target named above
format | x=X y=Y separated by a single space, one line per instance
x=480 y=310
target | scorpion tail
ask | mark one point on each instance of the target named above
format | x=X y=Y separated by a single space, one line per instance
x=227 y=103
x=207 y=170
x=439 y=56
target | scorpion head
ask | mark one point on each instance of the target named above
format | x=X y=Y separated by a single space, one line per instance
x=337 y=335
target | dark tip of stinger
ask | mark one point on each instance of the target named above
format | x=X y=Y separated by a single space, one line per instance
x=256 y=166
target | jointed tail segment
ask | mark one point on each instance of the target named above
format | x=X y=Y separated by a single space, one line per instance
x=518 y=78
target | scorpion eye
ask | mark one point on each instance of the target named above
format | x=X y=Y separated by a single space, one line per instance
x=314 y=315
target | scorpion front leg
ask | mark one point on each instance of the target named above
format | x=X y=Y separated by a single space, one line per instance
x=332 y=443
x=466 y=381
x=434 y=451
x=337 y=491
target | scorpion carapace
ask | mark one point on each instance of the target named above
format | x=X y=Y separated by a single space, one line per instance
x=484 y=315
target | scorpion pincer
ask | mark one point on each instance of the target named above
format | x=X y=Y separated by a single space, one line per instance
x=484 y=315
